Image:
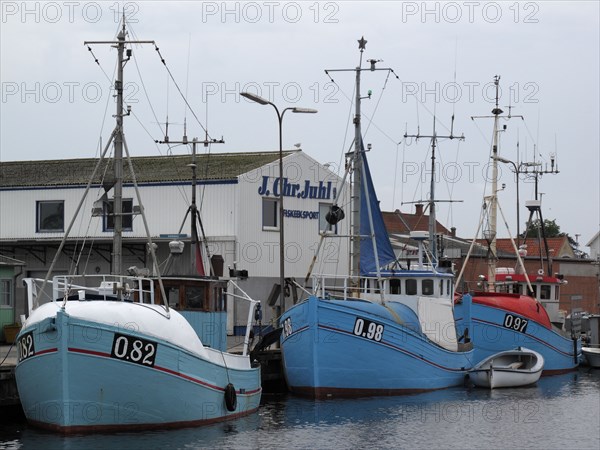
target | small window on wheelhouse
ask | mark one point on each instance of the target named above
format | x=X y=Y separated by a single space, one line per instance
x=545 y=292
x=427 y=287
x=195 y=297
x=395 y=286
x=532 y=293
x=411 y=287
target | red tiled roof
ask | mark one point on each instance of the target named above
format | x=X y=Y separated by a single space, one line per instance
x=395 y=224
x=559 y=247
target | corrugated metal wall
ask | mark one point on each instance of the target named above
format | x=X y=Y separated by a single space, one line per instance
x=165 y=208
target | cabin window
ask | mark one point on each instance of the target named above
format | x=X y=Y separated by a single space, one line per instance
x=173 y=296
x=441 y=287
x=218 y=295
x=270 y=214
x=109 y=218
x=556 y=290
x=427 y=287
x=448 y=290
x=533 y=293
x=411 y=287
x=395 y=286
x=6 y=293
x=545 y=292
x=195 y=297
x=50 y=216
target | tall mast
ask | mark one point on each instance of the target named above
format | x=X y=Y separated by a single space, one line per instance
x=357 y=165
x=494 y=197
x=119 y=44
x=357 y=173
x=118 y=162
x=491 y=201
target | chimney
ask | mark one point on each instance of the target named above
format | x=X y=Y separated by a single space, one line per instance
x=453 y=231
x=419 y=209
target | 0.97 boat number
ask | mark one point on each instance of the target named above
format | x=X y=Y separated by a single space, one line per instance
x=515 y=323
x=367 y=329
x=132 y=349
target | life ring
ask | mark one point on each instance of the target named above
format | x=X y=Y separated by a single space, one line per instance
x=230 y=397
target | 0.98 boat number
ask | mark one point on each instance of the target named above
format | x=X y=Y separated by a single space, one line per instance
x=367 y=329
x=287 y=327
x=515 y=323
x=132 y=349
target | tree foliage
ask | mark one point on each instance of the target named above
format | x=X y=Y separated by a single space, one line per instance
x=551 y=228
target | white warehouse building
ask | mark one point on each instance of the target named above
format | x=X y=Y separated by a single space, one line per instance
x=238 y=200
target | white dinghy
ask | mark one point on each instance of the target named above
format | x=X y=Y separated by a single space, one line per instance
x=511 y=368
x=592 y=356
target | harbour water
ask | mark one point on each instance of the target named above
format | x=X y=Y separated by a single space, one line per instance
x=561 y=411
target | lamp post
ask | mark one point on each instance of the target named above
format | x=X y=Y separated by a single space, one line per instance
x=262 y=101
x=517 y=173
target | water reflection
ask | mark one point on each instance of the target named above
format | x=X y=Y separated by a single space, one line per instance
x=558 y=412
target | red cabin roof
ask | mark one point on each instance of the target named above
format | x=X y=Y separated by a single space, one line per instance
x=520 y=278
x=520 y=304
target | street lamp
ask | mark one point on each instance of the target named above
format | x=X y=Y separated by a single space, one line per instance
x=517 y=173
x=262 y=101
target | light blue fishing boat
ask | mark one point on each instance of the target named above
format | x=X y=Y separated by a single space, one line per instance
x=107 y=352
x=382 y=330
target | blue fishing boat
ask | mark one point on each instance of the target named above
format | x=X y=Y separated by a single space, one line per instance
x=108 y=352
x=515 y=309
x=382 y=330
x=500 y=320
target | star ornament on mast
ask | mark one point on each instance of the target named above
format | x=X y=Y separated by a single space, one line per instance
x=362 y=43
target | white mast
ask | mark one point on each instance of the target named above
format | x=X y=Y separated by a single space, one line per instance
x=493 y=205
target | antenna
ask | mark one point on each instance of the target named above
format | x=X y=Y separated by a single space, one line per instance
x=432 y=219
x=196 y=255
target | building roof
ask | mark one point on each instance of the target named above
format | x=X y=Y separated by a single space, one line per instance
x=148 y=169
x=403 y=223
x=592 y=240
x=559 y=247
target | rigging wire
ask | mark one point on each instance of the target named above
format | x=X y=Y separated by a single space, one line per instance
x=179 y=90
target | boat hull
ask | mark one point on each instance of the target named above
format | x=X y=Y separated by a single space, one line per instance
x=592 y=356
x=493 y=329
x=325 y=355
x=502 y=378
x=73 y=379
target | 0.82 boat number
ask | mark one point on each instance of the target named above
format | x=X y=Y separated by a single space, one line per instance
x=26 y=346
x=133 y=349
x=367 y=329
x=515 y=323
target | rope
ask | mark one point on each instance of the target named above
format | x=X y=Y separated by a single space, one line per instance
x=179 y=90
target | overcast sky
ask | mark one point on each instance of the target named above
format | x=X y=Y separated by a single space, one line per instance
x=56 y=101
